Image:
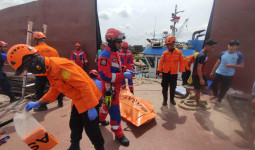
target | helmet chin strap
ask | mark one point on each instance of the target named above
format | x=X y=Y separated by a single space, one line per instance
x=36 y=65
x=113 y=47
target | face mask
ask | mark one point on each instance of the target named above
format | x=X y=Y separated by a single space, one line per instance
x=36 y=65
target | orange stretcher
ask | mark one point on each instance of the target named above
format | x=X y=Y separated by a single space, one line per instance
x=40 y=139
x=135 y=110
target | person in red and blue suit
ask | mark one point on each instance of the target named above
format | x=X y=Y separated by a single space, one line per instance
x=111 y=73
x=127 y=61
x=79 y=56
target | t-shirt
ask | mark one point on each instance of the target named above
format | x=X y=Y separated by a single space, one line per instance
x=99 y=52
x=231 y=58
x=201 y=59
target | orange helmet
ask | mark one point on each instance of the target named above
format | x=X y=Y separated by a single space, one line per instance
x=94 y=72
x=169 y=40
x=39 y=35
x=77 y=45
x=113 y=35
x=3 y=44
x=125 y=45
x=16 y=54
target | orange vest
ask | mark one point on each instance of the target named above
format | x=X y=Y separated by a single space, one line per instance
x=188 y=61
x=44 y=50
x=68 y=78
x=170 y=60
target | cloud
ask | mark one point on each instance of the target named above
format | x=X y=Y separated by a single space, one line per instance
x=143 y=10
x=104 y=15
x=10 y=3
x=128 y=26
x=124 y=11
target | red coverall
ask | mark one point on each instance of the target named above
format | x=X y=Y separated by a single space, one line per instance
x=79 y=57
x=110 y=71
x=128 y=62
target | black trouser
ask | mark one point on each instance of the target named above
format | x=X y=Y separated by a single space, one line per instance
x=40 y=84
x=78 y=121
x=166 y=80
x=225 y=84
x=185 y=76
x=5 y=85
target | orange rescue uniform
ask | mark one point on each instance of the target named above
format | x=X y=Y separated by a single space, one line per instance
x=188 y=61
x=169 y=62
x=45 y=50
x=68 y=78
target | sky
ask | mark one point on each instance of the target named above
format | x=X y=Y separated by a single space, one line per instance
x=138 y=18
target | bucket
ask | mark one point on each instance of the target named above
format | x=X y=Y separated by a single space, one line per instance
x=40 y=139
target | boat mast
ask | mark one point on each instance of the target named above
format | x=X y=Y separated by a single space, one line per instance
x=172 y=27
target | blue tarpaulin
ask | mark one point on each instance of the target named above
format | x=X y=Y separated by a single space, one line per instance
x=160 y=50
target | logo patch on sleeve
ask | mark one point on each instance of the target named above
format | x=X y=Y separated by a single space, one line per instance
x=66 y=74
x=103 y=62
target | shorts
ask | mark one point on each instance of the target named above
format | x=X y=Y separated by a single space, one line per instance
x=196 y=82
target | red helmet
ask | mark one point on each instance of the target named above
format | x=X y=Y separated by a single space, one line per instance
x=169 y=40
x=77 y=45
x=125 y=45
x=39 y=35
x=94 y=72
x=3 y=44
x=113 y=35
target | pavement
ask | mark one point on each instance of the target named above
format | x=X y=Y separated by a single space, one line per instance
x=174 y=128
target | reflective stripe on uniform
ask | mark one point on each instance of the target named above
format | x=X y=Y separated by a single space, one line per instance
x=113 y=77
x=115 y=65
x=115 y=127
x=104 y=111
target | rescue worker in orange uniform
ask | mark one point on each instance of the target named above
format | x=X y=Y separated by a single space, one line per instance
x=168 y=65
x=112 y=74
x=68 y=78
x=127 y=61
x=79 y=56
x=188 y=61
x=41 y=80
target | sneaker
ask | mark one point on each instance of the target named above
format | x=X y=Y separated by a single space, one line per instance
x=104 y=123
x=123 y=140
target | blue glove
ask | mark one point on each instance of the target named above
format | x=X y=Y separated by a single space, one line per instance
x=92 y=113
x=31 y=105
x=128 y=74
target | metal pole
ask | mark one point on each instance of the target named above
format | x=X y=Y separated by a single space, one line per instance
x=28 y=42
x=44 y=29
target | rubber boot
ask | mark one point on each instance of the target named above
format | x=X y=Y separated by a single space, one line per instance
x=123 y=140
